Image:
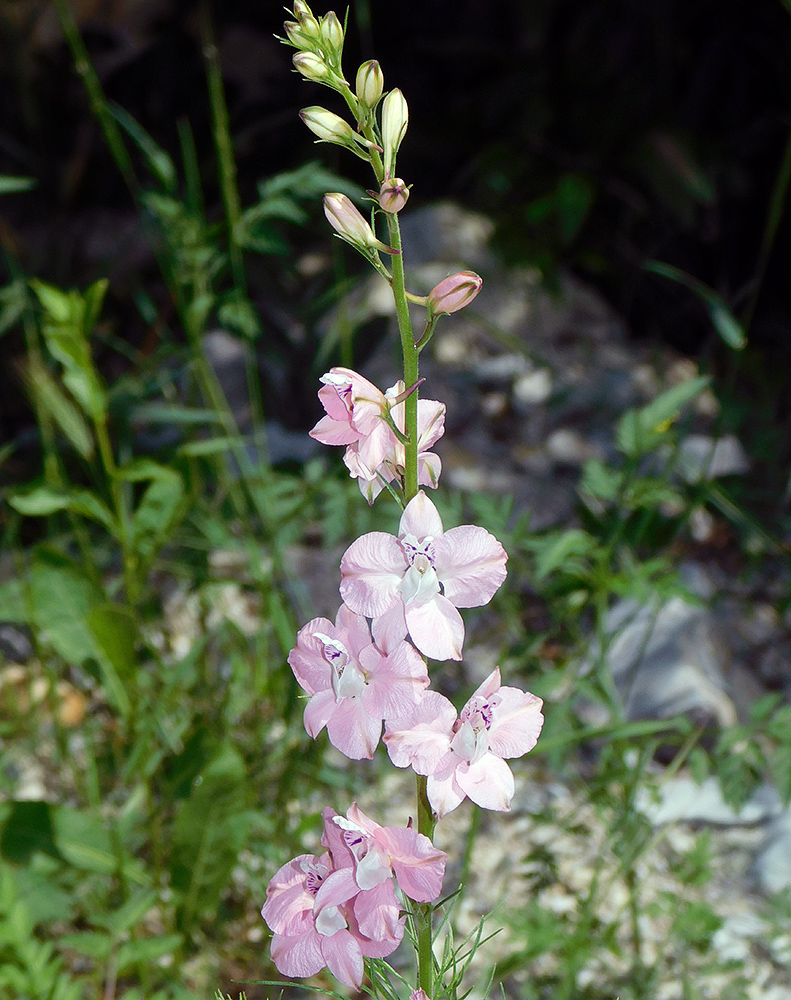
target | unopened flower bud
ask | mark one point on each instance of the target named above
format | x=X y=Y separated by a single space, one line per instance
x=311 y=66
x=395 y=117
x=309 y=27
x=393 y=195
x=454 y=292
x=332 y=32
x=327 y=126
x=370 y=83
x=297 y=36
x=349 y=223
x=301 y=10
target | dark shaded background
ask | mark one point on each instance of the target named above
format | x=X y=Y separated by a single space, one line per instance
x=597 y=135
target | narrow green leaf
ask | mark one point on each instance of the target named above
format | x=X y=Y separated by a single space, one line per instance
x=45 y=500
x=50 y=398
x=725 y=323
x=157 y=160
x=12 y=185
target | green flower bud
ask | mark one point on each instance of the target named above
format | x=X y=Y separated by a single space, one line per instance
x=298 y=38
x=395 y=117
x=370 y=83
x=332 y=32
x=301 y=10
x=311 y=66
x=328 y=126
x=393 y=195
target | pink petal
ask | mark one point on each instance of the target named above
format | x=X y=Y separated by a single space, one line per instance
x=470 y=564
x=358 y=817
x=332 y=839
x=353 y=731
x=298 y=957
x=421 y=740
x=516 y=723
x=429 y=468
x=419 y=867
x=377 y=912
x=337 y=888
x=335 y=405
x=343 y=958
x=488 y=782
x=390 y=629
x=371 y=569
x=287 y=899
x=443 y=792
x=436 y=628
x=371 y=947
x=333 y=432
x=396 y=682
x=307 y=658
x=358 y=632
x=420 y=518
x=318 y=712
x=430 y=422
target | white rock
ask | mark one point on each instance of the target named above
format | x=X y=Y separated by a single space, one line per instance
x=533 y=388
x=701 y=457
x=568 y=447
x=682 y=799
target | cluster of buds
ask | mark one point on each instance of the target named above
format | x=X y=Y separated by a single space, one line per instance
x=319 y=46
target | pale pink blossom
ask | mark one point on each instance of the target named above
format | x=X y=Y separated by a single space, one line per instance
x=430 y=428
x=355 y=409
x=464 y=756
x=356 y=413
x=313 y=929
x=353 y=685
x=415 y=582
x=418 y=995
x=377 y=852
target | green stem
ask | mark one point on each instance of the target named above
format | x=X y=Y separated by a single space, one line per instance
x=96 y=98
x=426 y=822
x=411 y=359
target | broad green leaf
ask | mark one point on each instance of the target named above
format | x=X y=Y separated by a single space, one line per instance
x=13 y=601
x=85 y=842
x=92 y=944
x=67 y=340
x=157 y=515
x=50 y=398
x=27 y=829
x=62 y=597
x=129 y=915
x=640 y=431
x=599 y=481
x=139 y=470
x=211 y=828
x=240 y=315
x=115 y=634
x=560 y=548
x=45 y=500
x=146 y=951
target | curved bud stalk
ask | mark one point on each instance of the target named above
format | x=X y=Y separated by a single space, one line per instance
x=349 y=224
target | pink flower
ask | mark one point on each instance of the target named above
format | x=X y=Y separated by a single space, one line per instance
x=430 y=428
x=313 y=929
x=464 y=756
x=353 y=685
x=415 y=582
x=355 y=408
x=377 y=852
x=356 y=412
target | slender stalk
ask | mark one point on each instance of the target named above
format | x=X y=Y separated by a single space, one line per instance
x=411 y=359
x=426 y=821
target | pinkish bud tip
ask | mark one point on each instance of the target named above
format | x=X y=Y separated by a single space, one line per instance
x=454 y=292
x=393 y=195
